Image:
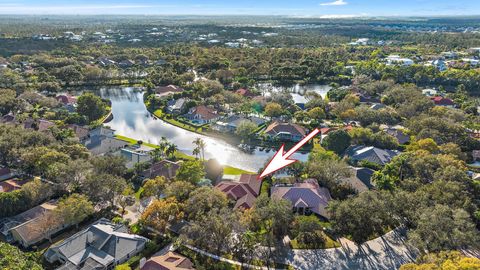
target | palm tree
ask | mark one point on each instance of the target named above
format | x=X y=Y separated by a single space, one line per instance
x=200 y=149
x=156 y=154
x=171 y=149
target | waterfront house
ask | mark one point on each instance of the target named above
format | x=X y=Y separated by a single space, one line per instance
x=360 y=179
x=167 y=261
x=103 y=245
x=134 y=154
x=80 y=132
x=32 y=226
x=176 y=106
x=306 y=198
x=229 y=124
x=165 y=168
x=202 y=115
x=102 y=140
x=243 y=191
x=370 y=153
x=285 y=131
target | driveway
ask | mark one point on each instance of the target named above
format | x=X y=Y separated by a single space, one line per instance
x=387 y=252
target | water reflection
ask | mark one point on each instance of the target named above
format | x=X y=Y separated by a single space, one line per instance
x=297 y=91
x=131 y=119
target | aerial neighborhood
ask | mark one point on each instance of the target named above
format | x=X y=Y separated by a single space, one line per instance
x=140 y=144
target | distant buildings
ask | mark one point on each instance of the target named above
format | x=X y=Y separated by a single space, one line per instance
x=397 y=60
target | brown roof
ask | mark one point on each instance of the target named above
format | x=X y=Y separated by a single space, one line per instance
x=11 y=185
x=306 y=194
x=66 y=99
x=205 y=112
x=165 y=168
x=44 y=125
x=80 y=132
x=168 y=261
x=277 y=127
x=244 y=191
x=244 y=92
x=169 y=89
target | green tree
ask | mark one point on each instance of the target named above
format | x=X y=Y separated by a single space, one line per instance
x=337 y=141
x=91 y=106
x=8 y=100
x=13 y=258
x=203 y=200
x=154 y=187
x=245 y=129
x=74 y=209
x=190 y=171
x=273 y=109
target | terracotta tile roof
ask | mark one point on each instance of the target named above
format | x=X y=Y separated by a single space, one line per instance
x=278 y=127
x=168 y=261
x=244 y=191
x=441 y=101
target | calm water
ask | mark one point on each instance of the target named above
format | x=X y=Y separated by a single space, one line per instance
x=297 y=91
x=131 y=119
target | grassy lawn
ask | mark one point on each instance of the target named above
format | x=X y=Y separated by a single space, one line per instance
x=234 y=171
x=160 y=114
x=329 y=243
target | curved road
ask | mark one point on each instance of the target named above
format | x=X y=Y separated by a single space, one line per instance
x=386 y=252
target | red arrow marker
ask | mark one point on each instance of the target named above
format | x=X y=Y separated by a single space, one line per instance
x=281 y=159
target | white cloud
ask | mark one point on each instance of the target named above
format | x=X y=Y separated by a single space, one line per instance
x=335 y=3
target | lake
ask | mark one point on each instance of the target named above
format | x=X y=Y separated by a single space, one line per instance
x=131 y=119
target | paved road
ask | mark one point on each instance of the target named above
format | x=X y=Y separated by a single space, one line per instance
x=386 y=252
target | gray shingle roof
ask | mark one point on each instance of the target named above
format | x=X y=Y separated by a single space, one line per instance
x=371 y=154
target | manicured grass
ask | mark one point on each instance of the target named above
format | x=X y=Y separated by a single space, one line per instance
x=329 y=243
x=234 y=171
x=160 y=114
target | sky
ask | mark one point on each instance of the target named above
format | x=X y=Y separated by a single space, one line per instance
x=313 y=8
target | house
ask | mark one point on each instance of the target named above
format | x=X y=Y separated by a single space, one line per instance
x=176 y=106
x=103 y=245
x=397 y=60
x=285 y=131
x=365 y=98
x=32 y=226
x=165 y=168
x=66 y=99
x=167 y=261
x=244 y=92
x=12 y=185
x=441 y=101
x=202 y=115
x=243 y=192
x=105 y=62
x=6 y=173
x=360 y=179
x=162 y=91
x=126 y=63
x=44 y=125
x=80 y=132
x=229 y=124
x=306 y=198
x=429 y=92
x=398 y=134
x=370 y=154
x=135 y=154
x=8 y=118
x=440 y=65
x=102 y=140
